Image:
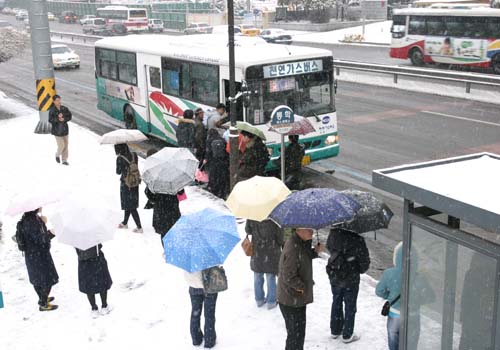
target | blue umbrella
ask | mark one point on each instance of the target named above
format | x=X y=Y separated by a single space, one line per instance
x=314 y=208
x=201 y=240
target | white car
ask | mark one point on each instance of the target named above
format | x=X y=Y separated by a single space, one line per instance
x=276 y=36
x=22 y=15
x=63 y=56
x=155 y=25
x=85 y=18
x=50 y=16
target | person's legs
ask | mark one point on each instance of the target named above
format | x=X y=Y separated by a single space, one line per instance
x=126 y=217
x=337 y=312
x=104 y=299
x=210 y=334
x=42 y=300
x=258 y=286
x=65 y=148
x=60 y=147
x=137 y=219
x=295 y=322
x=393 y=324
x=91 y=298
x=271 y=289
x=196 y=309
x=350 y=301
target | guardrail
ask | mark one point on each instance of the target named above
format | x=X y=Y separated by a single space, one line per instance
x=467 y=78
x=76 y=37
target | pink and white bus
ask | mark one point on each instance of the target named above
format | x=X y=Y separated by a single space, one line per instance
x=135 y=19
x=448 y=36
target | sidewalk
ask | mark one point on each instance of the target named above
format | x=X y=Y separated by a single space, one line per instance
x=150 y=298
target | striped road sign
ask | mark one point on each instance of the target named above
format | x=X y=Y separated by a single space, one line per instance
x=45 y=91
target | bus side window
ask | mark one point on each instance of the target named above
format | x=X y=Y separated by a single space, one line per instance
x=239 y=104
x=417 y=25
x=493 y=27
x=435 y=25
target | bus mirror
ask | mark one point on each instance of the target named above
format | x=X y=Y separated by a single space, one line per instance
x=246 y=94
x=335 y=85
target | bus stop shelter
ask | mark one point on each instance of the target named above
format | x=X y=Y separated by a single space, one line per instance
x=451 y=251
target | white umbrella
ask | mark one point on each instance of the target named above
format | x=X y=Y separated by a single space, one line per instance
x=169 y=170
x=32 y=199
x=122 y=136
x=82 y=222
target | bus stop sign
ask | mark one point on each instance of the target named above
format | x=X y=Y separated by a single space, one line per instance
x=282 y=119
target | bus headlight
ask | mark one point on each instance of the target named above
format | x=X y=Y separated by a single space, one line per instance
x=330 y=140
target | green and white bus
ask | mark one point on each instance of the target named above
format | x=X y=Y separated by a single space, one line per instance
x=147 y=81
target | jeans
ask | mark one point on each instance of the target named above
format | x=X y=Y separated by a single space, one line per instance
x=342 y=322
x=393 y=324
x=258 y=283
x=135 y=216
x=198 y=300
x=295 y=322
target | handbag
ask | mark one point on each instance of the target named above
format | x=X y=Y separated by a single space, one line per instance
x=247 y=246
x=214 y=280
x=387 y=306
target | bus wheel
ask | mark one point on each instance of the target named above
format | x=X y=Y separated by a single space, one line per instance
x=129 y=117
x=416 y=57
x=495 y=63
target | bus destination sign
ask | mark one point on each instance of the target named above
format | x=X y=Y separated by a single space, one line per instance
x=292 y=68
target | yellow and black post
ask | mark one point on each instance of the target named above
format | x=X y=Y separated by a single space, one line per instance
x=42 y=62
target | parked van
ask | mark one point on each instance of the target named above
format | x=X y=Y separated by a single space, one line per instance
x=94 y=26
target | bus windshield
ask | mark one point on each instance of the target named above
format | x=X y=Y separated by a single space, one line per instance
x=307 y=94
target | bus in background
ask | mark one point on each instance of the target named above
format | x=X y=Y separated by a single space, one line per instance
x=469 y=37
x=429 y=3
x=148 y=81
x=135 y=19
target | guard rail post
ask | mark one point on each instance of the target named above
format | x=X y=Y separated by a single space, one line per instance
x=467 y=87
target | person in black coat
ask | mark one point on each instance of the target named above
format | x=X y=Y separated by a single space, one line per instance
x=217 y=162
x=33 y=236
x=59 y=116
x=200 y=134
x=186 y=132
x=293 y=163
x=93 y=276
x=129 y=196
x=349 y=258
x=267 y=241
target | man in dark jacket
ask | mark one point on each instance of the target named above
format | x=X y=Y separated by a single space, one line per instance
x=186 y=131
x=267 y=240
x=200 y=134
x=293 y=163
x=349 y=258
x=254 y=159
x=59 y=116
x=295 y=285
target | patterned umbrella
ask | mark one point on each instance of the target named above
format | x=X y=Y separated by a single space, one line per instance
x=169 y=170
x=373 y=214
x=314 y=208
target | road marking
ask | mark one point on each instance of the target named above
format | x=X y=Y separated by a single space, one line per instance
x=461 y=118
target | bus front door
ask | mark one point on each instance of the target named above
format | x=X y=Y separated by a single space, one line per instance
x=154 y=114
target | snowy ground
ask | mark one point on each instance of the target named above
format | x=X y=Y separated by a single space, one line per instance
x=150 y=299
x=375 y=33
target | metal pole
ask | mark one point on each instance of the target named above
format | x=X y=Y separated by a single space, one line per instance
x=282 y=157
x=233 y=132
x=42 y=62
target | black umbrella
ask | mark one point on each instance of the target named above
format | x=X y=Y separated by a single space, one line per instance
x=373 y=215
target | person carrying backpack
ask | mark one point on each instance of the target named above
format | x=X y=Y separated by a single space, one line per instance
x=33 y=239
x=349 y=258
x=217 y=162
x=130 y=179
x=186 y=132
